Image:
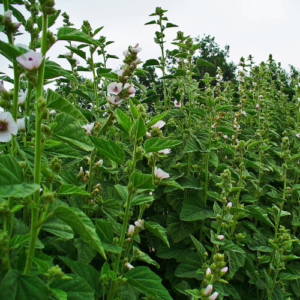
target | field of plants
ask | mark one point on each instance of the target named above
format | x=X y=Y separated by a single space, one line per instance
x=134 y=186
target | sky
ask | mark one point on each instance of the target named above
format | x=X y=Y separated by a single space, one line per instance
x=256 y=27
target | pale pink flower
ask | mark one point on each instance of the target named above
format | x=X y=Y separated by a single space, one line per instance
x=137 y=60
x=213 y=125
x=219 y=77
x=81 y=171
x=99 y=163
x=114 y=88
x=150 y=193
x=139 y=223
x=229 y=204
x=244 y=113
x=160 y=124
x=21 y=124
x=225 y=136
x=257 y=106
x=186 y=61
x=98 y=185
x=208 y=271
x=136 y=49
x=115 y=100
x=177 y=104
x=165 y=151
x=214 y=296
x=30 y=60
x=129 y=266
x=22 y=96
x=88 y=128
x=52 y=112
x=160 y=173
x=220 y=237
x=208 y=290
x=148 y=134
x=260 y=96
x=298 y=135
x=8 y=126
x=224 y=270
x=130 y=88
x=131 y=229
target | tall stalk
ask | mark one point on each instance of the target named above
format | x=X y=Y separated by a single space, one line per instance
x=38 y=150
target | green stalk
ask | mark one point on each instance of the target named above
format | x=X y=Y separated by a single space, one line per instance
x=38 y=150
x=95 y=79
x=28 y=100
x=105 y=124
x=163 y=64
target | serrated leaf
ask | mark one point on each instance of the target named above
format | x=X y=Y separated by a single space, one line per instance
x=157 y=230
x=194 y=210
x=124 y=120
x=204 y=63
x=156 y=144
x=142 y=181
x=71 y=189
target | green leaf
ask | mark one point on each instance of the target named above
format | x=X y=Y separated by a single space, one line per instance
x=11 y=179
x=142 y=181
x=182 y=55
x=133 y=110
x=62 y=150
x=150 y=23
x=139 y=255
x=204 y=63
x=110 y=75
x=16 y=286
x=87 y=273
x=147 y=282
x=85 y=252
x=81 y=224
x=71 y=189
x=155 y=144
x=192 y=145
x=17 y=240
x=258 y=213
x=157 y=230
x=171 y=182
x=106 y=235
x=10 y=51
x=59 y=228
x=53 y=70
x=199 y=247
x=103 y=71
x=175 y=113
x=151 y=62
x=189 y=267
x=72 y=34
x=141 y=199
x=83 y=94
x=78 y=52
x=109 y=148
x=194 y=210
x=16 y=13
x=59 y=294
x=236 y=256
x=155 y=119
x=76 y=288
x=139 y=128
x=150 y=99
x=124 y=120
x=56 y=102
x=176 y=251
x=70 y=131
x=169 y=25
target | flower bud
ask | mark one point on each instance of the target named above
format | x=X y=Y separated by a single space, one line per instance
x=224 y=270
x=131 y=229
x=208 y=290
x=208 y=271
x=229 y=204
x=214 y=296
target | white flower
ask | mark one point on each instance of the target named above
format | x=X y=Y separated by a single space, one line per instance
x=220 y=237
x=137 y=60
x=254 y=83
x=8 y=126
x=298 y=99
x=186 y=61
x=225 y=136
x=229 y=204
x=148 y=134
x=298 y=135
x=244 y=113
x=129 y=266
x=126 y=52
x=52 y=112
x=30 y=60
x=160 y=124
x=114 y=88
x=87 y=173
x=99 y=163
x=22 y=96
x=177 y=104
x=257 y=106
x=130 y=88
x=160 y=173
x=214 y=296
x=115 y=100
x=219 y=77
x=224 y=270
x=213 y=125
x=150 y=193
x=165 y=151
x=88 y=128
x=139 y=223
x=2 y=88
x=208 y=290
x=7 y=16
x=69 y=53
x=237 y=141
x=98 y=185
x=120 y=73
x=131 y=229
x=260 y=96
x=208 y=271
x=81 y=171
x=21 y=124
x=77 y=62
x=135 y=49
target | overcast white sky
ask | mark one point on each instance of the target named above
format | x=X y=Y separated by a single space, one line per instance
x=256 y=27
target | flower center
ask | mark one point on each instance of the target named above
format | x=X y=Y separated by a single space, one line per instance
x=116 y=89
x=3 y=126
x=30 y=59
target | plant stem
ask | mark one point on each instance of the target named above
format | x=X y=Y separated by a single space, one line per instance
x=38 y=150
x=95 y=79
x=105 y=124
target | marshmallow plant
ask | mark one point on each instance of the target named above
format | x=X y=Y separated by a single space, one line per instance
x=125 y=186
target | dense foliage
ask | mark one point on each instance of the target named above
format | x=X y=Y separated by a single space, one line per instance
x=130 y=186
